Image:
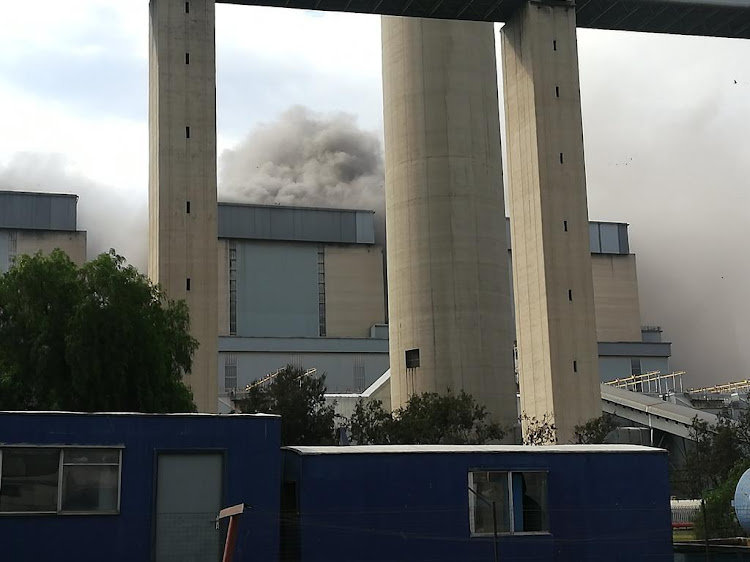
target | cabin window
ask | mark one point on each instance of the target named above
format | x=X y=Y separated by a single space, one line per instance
x=519 y=500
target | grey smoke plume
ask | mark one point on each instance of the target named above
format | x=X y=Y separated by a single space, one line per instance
x=310 y=159
x=668 y=151
x=111 y=218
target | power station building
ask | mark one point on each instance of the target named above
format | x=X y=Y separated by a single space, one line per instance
x=305 y=286
x=39 y=222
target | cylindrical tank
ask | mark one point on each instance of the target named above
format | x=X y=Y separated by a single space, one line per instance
x=742 y=501
x=449 y=296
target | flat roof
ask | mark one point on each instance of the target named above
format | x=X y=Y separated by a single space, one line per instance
x=298 y=207
x=36 y=193
x=139 y=414
x=469 y=449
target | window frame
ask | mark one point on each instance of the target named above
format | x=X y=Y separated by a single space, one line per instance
x=509 y=504
x=60 y=475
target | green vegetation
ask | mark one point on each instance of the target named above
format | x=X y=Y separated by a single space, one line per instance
x=299 y=399
x=429 y=418
x=595 y=430
x=714 y=465
x=100 y=337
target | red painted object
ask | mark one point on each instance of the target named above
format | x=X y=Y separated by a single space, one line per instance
x=233 y=513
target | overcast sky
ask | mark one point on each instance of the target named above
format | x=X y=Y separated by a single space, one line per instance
x=666 y=123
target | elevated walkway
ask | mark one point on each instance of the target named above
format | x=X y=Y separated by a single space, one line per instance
x=651 y=411
x=643 y=409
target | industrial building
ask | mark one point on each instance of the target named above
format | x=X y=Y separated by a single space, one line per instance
x=443 y=185
x=39 y=222
x=305 y=286
x=300 y=286
x=127 y=487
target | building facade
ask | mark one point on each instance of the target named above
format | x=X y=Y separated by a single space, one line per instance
x=39 y=222
x=305 y=286
x=434 y=503
x=125 y=487
x=300 y=286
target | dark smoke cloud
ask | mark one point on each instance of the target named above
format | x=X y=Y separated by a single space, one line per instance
x=308 y=159
x=111 y=218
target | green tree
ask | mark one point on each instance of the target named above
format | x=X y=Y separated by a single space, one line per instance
x=720 y=516
x=100 y=337
x=299 y=399
x=716 y=450
x=595 y=430
x=428 y=418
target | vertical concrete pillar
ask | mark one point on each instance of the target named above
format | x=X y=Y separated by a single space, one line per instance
x=554 y=296
x=183 y=245
x=447 y=255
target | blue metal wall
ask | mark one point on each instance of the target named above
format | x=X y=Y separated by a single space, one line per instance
x=251 y=474
x=414 y=507
x=277 y=289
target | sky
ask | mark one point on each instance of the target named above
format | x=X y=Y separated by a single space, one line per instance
x=666 y=128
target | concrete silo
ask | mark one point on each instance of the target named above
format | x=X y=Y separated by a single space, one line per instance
x=450 y=324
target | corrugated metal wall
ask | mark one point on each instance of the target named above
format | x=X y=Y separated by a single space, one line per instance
x=259 y=222
x=39 y=211
x=277 y=289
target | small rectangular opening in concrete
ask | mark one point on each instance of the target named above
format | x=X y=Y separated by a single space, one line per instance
x=570 y=295
x=187 y=136
x=561 y=158
x=187 y=284
x=557 y=91
x=187 y=207
x=187 y=59
x=554 y=45
x=575 y=366
x=565 y=225
x=187 y=7
x=412 y=358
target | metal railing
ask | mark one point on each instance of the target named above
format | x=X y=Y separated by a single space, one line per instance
x=653 y=382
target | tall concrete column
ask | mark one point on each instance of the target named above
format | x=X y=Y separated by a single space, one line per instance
x=183 y=232
x=447 y=255
x=554 y=295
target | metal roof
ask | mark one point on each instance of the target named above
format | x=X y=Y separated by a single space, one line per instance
x=715 y=18
x=652 y=411
x=139 y=414
x=471 y=449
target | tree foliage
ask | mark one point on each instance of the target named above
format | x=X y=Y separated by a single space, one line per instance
x=428 y=418
x=299 y=399
x=717 y=450
x=720 y=516
x=595 y=430
x=100 y=337
x=538 y=432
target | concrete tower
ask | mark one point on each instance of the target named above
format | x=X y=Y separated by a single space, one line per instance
x=182 y=181
x=554 y=295
x=447 y=257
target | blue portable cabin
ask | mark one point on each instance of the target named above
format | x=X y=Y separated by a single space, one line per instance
x=572 y=503
x=126 y=487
